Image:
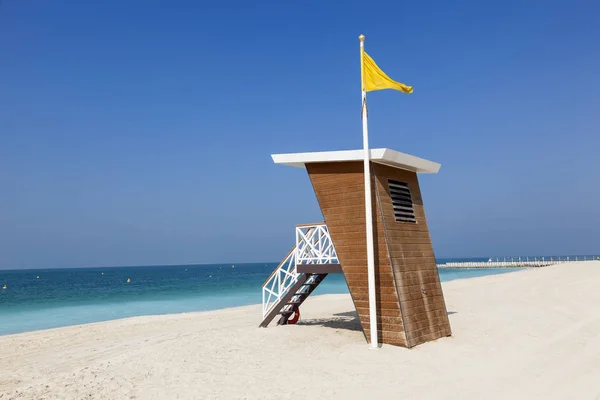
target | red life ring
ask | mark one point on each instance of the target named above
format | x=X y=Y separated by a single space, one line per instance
x=294 y=317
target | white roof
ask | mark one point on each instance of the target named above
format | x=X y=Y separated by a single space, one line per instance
x=382 y=156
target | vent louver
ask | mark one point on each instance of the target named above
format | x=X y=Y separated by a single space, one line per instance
x=402 y=201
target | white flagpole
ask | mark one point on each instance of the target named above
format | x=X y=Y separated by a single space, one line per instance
x=368 y=206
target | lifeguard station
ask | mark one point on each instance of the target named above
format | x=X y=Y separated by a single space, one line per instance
x=409 y=299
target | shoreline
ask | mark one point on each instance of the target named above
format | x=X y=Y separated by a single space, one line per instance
x=241 y=308
x=144 y=317
x=530 y=334
x=20 y=319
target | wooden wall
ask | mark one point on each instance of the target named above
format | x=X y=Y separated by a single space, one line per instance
x=413 y=261
x=409 y=301
x=340 y=191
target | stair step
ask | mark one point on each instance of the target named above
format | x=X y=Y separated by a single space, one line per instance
x=296 y=295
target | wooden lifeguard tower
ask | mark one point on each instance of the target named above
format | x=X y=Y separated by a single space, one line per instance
x=409 y=300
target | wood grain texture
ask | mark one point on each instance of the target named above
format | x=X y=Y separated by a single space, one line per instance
x=410 y=302
x=340 y=191
x=413 y=261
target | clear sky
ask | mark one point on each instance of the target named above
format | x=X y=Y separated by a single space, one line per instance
x=140 y=132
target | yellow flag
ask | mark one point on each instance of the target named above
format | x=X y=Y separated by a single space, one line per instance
x=375 y=79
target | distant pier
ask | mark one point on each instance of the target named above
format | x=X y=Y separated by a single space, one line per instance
x=517 y=262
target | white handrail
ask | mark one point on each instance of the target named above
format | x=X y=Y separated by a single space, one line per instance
x=279 y=283
x=313 y=246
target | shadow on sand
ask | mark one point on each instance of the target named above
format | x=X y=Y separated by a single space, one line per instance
x=346 y=320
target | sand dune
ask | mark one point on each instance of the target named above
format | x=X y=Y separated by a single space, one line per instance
x=525 y=335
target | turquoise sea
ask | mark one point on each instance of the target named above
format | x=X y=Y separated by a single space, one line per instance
x=61 y=297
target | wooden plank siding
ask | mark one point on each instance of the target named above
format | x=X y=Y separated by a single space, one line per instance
x=413 y=261
x=341 y=195
x=410 y=304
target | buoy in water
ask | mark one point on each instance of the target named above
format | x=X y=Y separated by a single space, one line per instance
x=4 y=287
x=37 y=277
x=103 y=273
x=128 y=280
x=233 y=266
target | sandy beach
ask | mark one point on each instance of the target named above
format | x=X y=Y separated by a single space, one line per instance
x=532 y=334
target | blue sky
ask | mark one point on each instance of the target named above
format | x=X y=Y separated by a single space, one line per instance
x=140 y=132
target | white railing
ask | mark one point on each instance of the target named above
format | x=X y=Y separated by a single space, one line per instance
x=313 y=246
x=279 y=282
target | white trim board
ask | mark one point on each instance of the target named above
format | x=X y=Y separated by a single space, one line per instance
x=381 y=156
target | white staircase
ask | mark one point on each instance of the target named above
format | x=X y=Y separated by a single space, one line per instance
x=286 y=288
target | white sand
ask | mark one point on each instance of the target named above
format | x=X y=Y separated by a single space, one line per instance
x=525 y=335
